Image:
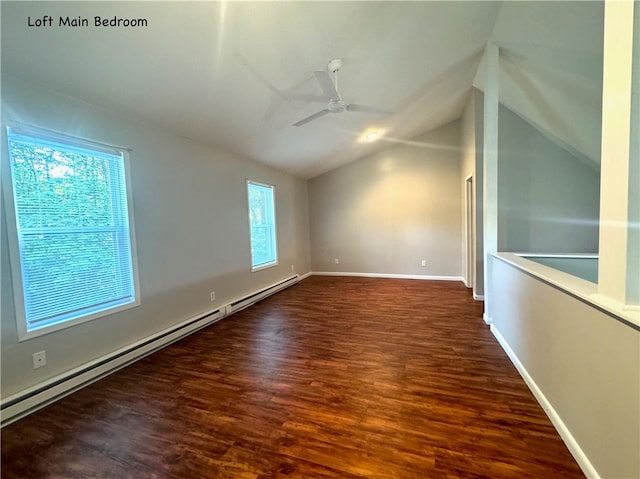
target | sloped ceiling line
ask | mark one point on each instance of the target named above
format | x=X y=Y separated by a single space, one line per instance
x=535 y=105
x=551 y=70
x=182 y=74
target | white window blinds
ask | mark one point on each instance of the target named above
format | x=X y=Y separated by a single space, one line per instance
x=73 y=230
x=262 y=220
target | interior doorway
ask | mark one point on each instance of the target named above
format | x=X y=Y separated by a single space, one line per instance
x=469 y=234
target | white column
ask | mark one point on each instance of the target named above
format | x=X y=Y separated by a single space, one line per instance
x=633 y=241
x=490 y=168
x=614 y=264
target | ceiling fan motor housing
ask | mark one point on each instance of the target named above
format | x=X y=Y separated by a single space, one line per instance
x=337 y=106
x=334 y=65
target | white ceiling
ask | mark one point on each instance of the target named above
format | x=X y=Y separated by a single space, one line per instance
x=222 y=73
x=216 y=72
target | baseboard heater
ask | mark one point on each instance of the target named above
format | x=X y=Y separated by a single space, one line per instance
x=253 y=298
x=30 y=400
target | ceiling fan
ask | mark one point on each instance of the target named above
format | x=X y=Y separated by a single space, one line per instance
x=335 y=102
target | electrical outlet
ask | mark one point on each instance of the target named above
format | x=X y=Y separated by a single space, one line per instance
x=292 y=268
x=423 y=263
x=39 y=359
x=336 y=261
x=213 y=295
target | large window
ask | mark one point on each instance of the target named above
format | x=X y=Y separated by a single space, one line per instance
x=73 y=253
x=262 y=221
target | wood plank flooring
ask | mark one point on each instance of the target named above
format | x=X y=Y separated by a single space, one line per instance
x=333 y=378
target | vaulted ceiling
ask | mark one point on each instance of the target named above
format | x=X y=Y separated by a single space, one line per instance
x=238 y=75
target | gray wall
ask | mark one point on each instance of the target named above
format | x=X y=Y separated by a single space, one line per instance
x=548 y=199
x=583 y=361
x=192 y=233
x=386 y=212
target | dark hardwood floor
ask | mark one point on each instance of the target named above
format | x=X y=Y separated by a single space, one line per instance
x=332 y=378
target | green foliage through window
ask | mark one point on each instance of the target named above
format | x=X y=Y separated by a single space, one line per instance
x=72 y=224
x=262 y=221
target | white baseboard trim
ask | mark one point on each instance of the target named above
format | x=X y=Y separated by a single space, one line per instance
x=486 y=318
x=478 y=297
x=29 y=400
x=571 y=443
x=388 y=275
x=306 y=275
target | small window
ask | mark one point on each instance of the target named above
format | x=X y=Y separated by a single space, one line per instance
x=262 y=222
x=75 y=254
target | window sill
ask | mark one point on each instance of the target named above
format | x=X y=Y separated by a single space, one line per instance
x=263 y=266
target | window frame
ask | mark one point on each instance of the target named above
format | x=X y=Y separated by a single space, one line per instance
x=24 y=328
x=273 y=227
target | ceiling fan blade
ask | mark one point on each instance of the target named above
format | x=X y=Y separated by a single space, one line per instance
x=311 y=118
x=305 y=97
x=366 y=109
x=259 y=76
x=275 y=102
x=329 y=89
